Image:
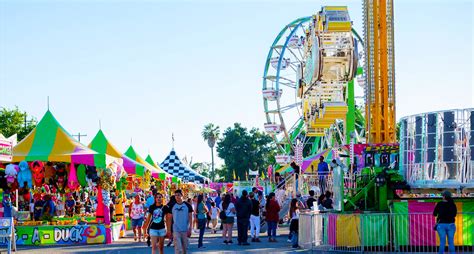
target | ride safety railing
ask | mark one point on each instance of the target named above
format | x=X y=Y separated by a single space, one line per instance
x=380 y=232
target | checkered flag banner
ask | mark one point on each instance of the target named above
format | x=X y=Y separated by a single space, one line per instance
x=173 y=165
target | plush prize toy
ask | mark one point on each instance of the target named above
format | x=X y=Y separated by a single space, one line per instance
x=91 y=176
x=73 y=183
x=107 y=177
x=25 y=175
x=122 y=182
x=49 y=172
x=11 y=172
x=145 y=185
x=61 y=177
x=38 y=173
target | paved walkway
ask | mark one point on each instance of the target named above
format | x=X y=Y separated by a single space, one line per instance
x=212 y=242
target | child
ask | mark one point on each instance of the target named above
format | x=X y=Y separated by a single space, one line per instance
x=214 y=213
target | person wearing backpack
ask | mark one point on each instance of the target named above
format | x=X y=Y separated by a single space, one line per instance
x=227 y=218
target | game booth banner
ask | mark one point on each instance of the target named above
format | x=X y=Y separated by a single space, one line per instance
x=223 y=187
x=63 y=234
x=413 y=220
x=6 y=147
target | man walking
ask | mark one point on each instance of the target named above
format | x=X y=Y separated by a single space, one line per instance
x=255 y=218
x=244 y=208
x=323 y=171
x=182 y=216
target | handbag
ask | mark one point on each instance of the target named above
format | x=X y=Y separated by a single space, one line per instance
x=222 y=215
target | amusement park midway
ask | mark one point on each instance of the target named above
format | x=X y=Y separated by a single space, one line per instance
x=269 y=127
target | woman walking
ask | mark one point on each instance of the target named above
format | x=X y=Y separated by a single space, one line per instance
x=227 y=208
x=445 y=213
x=294 y=214
x=201 y=215
x=136 y=213
x=156 y=222
x=272 y=209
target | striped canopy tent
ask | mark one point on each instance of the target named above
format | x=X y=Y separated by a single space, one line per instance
x=156 y=172
x=150 y=160
x=49 y=141
x=102 y=145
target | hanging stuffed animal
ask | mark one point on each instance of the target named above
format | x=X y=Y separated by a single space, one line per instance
x=91 y=176
x=73 y=183
x=107 y=177
x=38 y=173
x=25 y=175
x=145 y=185
x=49 y=172
x=60 y=177
x=11 y=172
x=122 y=183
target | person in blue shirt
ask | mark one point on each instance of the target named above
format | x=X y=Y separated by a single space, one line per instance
x=323 y=171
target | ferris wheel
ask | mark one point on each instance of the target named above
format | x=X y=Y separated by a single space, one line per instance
x=305 y=81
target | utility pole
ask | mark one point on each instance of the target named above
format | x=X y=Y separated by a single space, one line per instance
x=79 y=135
x=27 y=121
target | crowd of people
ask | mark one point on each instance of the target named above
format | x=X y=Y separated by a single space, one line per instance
x=155 y=220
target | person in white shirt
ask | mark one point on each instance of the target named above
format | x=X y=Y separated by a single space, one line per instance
x=214 y=213
x=228 y=221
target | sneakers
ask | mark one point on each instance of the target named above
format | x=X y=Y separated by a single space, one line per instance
x=226 y=242
x=245 y=244
x=253 y=240
x=257 y=240
x=289 y=240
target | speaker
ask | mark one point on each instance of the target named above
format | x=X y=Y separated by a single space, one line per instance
x=418 y=136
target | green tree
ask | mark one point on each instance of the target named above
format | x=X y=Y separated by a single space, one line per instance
x=202 y=168
x=222 y=173
x=210 y=133
x=242 y=150
x=15 y=121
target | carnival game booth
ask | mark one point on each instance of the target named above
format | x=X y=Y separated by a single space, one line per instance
x=52 y=165
x=408 y=227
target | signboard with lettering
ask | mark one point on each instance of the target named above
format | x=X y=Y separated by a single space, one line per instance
x=44 y=235
x=6 y=148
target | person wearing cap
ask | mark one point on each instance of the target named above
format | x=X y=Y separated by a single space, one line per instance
x=445 y=213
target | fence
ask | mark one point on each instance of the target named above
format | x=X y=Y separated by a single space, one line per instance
x=381 y=232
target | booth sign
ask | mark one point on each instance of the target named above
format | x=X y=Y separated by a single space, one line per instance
x=44 y=235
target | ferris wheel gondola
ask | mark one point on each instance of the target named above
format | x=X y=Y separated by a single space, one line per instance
x=305 y=77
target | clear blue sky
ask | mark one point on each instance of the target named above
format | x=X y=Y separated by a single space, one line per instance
x=147 y=69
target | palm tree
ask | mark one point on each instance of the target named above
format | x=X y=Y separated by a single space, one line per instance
x=211 y=134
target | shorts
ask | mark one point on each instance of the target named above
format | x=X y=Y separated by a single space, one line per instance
x=229 y=220
x=137 y=222
x=158 y=232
